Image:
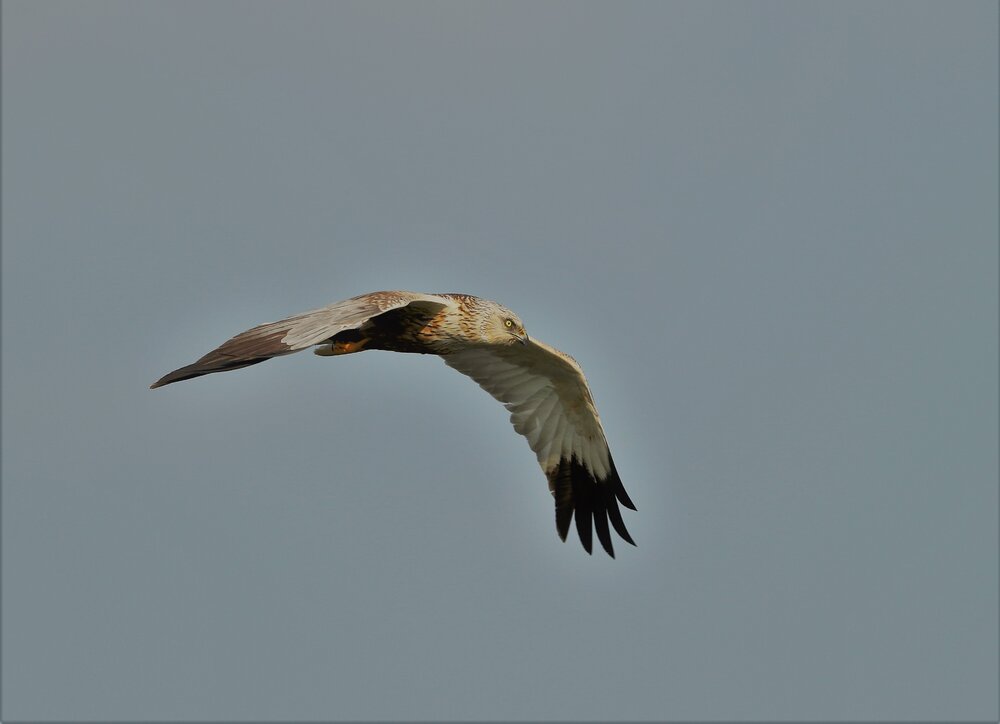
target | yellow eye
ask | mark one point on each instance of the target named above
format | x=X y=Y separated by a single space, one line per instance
x=508 y=323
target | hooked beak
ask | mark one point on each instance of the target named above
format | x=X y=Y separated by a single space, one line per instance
x=523 y=338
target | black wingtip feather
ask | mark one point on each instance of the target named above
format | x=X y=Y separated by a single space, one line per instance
x=564 y=517
x=616 y=482
x=624 y=499
x=603 y=534
x=578 y=493
x=584 y=514
x=615 y=516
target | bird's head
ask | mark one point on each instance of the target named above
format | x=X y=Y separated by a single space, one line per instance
x=502 y=326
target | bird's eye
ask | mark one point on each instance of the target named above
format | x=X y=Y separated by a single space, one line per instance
x=508 y=323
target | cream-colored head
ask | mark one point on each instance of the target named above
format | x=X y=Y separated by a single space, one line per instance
x=500 y=325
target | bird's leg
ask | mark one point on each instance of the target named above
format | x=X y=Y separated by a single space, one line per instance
x=342 y=346
x=331 y=349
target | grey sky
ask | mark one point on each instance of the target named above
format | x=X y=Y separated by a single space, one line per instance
x=768 y=232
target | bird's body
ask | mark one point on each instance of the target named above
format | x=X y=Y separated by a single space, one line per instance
x=423 y=325
x=544 y=389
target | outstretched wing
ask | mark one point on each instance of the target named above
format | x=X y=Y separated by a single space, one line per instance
x=551 y=405
x=299 y=332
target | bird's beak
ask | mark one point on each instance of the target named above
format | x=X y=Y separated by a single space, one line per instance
x=523 y=338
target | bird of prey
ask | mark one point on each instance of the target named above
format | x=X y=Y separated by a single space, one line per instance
x=544 y=389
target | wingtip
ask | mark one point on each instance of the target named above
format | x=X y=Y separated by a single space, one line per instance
x=623 y=498
x=609 y=549
x=175 y=376
x=165 y=380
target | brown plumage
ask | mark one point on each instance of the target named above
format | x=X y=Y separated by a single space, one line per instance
x=544 y=390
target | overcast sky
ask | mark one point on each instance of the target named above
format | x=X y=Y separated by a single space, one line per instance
x=768 y=232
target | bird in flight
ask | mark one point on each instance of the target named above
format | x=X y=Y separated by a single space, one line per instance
x=544 y=389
